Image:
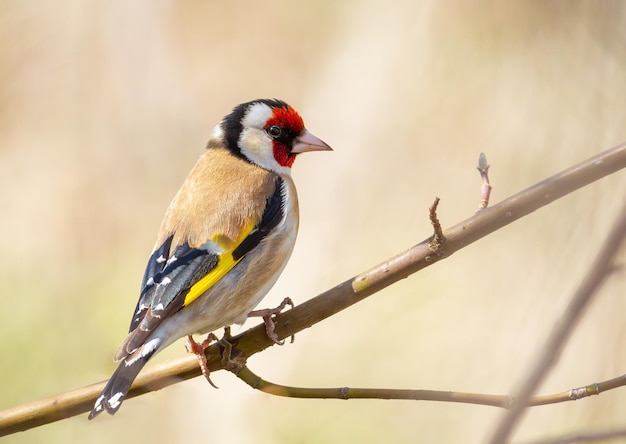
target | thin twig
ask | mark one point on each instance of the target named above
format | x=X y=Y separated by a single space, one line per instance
x=334 y=300
x=438 y=238
x=601 y=268
x=504 y=401
x=485 y=189
x=258 y=383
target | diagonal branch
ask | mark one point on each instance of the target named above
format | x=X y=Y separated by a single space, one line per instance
x=336 y=299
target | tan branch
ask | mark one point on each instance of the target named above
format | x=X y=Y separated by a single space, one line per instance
x=336 y=299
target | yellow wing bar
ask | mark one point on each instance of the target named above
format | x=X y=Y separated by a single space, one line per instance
x=225 y=263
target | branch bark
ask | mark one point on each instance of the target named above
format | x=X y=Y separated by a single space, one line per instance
x=336 y=299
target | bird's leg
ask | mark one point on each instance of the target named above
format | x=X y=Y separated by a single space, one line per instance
x=228 y=347
x=233 y=359
x=227 y=336
x=268 y=314
x=198 y=349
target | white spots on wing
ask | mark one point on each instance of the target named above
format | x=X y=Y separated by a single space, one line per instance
x=115 y=400
x=145 y=350
x=141 y=308
x=98 y=406
x=165 y=281
x=150 y=282
x=160 y=259
x=150 y=346
x=171 y=260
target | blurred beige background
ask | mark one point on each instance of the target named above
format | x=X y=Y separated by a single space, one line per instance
x=105 y=105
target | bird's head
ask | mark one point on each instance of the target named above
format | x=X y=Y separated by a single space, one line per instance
x=268 y=133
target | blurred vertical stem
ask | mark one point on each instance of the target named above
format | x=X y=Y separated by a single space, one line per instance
x=599 y=271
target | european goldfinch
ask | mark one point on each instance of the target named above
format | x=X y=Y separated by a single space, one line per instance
x=225 y=238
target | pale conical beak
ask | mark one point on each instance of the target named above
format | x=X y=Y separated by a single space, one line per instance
x=308 y=142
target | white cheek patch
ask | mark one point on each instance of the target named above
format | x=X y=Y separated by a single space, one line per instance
x=256 y=145
x=253 y=143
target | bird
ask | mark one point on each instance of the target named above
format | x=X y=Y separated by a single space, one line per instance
x=224 y=240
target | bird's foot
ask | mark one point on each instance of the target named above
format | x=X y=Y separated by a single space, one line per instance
x=268 y=318
x=198 y=348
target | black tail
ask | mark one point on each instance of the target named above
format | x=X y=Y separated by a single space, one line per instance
x=116 y=389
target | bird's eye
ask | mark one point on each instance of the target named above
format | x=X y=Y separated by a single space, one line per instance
x=274 y=131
